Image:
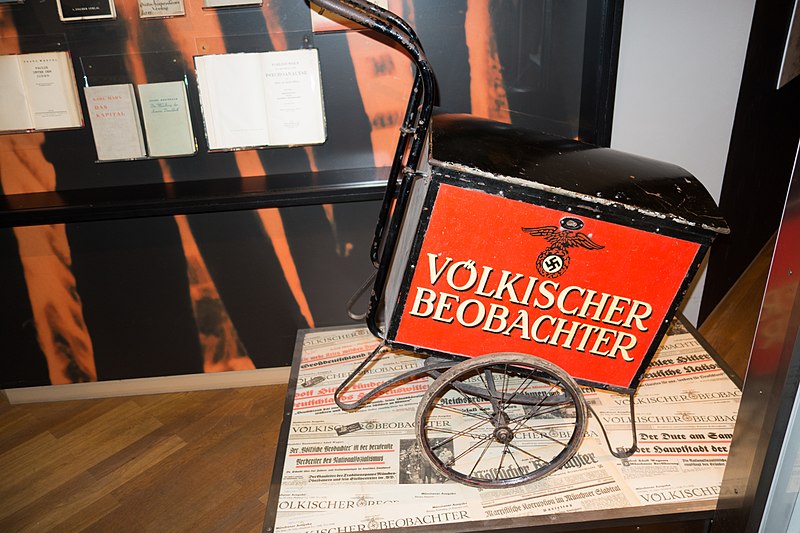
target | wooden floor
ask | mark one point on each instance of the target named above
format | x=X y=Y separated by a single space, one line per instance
x=198 y=461
x=731 y=327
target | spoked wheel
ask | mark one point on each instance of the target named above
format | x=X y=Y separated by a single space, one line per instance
x=501 y=419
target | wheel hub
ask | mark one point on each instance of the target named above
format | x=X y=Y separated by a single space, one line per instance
x=503 y=434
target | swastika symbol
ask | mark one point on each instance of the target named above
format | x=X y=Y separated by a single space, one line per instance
x=552 y=264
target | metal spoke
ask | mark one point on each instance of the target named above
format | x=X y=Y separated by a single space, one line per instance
x=529 y=377
x=467 y=413
x=527 y=453
x=528 y=416
x=544 y=397
x=545 y=435
x=464 y=433
x=473 y=402
x=553 y=426
x=500 y=466
x=504 y=430
x=468 y=450
x=455 y=434
x=521 y=420
x=521 y=425
x=479 y=458
x=505 y=378
x=513 y=458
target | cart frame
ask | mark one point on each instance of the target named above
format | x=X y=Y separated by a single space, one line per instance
x=453 y=373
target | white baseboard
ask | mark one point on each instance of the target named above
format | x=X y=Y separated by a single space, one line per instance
x=156 y=385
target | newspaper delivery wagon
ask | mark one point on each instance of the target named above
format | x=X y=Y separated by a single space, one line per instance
x=522 y=265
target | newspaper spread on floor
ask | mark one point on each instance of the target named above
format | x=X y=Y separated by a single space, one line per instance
x=363 y=470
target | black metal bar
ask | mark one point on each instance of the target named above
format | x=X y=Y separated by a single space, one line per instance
x=397 y=165
x=375 y=19
x=599 y=81
x=620 y=452
x=385 y=14
x=351 y=303
x=406 y=129
x=188 y=197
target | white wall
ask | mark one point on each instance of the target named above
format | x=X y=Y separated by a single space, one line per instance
x=680 y=66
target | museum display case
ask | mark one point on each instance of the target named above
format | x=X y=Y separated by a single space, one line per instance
x=144 y=235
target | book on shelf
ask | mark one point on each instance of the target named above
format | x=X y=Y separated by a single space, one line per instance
x=38 y=92
x=167 y=123
x=14 y=112
x=261 y=99
x=78 y=10
x=114 y=116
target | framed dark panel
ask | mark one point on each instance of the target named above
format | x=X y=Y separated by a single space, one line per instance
x=556 y=61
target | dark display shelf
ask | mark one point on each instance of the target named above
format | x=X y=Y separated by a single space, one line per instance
x=201 y=196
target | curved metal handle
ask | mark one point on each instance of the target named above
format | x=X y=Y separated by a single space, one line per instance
x=406 y=130
x=418 y=118
x=395 y=28
x=385 y=14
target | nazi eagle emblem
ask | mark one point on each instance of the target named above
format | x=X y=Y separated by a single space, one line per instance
x=554 y=260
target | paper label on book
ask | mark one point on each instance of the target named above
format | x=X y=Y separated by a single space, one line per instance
x=50 y=88
x=14 y=112
x=115 y=122
x=230 y=3
x=161 y=8
x=74 y=10
x=167 y=123
x=294 y=97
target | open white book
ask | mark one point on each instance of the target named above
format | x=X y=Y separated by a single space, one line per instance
x=261 y=99
x=38 y=92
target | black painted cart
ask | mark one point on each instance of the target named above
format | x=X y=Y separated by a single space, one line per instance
x=523 y=266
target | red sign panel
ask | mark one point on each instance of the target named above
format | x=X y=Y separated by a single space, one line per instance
x=496 y=275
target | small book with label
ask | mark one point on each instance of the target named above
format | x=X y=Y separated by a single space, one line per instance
x=78 y=10
x=167 y=124
x=161 y=8
x=230 y=3
x=115 y=122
